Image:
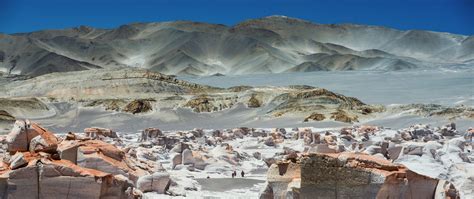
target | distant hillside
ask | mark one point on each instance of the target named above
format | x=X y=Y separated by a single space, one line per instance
x=272 y=44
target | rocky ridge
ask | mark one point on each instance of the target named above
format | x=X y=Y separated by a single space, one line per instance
x=271 y=44
x=145 y=93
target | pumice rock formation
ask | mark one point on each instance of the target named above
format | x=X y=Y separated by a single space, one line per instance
x=348 y=175
x=37 y=164
x=345 y=175
x=350 y=162
x=373 y=162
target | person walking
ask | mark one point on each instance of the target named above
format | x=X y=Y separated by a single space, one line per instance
x=242 y=174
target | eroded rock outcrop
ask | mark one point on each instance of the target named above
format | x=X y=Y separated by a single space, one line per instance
x=4 y=115
x=40 y=165
x=97 y=133
x=47 y=178
x=315 y=117
x=345 y=175
x=30 y=136
x=138 y=106
x=210 y=103
x=343 y=116
x=150 y=133
x=254 y=102
x=283 y=180
x=351 y=175
x=158 y=182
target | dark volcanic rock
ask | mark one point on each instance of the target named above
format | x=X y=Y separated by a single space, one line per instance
x=138 y=106
x=315 y=117
x=6 y=116
x=343 y=116
x=254 y=102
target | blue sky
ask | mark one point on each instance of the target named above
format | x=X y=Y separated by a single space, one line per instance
x=456 y=16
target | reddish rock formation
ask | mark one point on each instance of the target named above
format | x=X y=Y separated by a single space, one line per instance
x=350 y=175
x=98 y=155
x=345 y=175
x=45 y=141
x=96 y=133
x=150 y=133
x=283 y=180
x=39 y=165
x=47 y=178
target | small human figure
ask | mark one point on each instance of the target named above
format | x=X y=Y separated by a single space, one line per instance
x=234 y=174
x=242 y=174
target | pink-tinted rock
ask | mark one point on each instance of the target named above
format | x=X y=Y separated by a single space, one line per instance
x=96 y=132
x=45 y=141
x=351 y=175
x=176 y=160
x=18 y=160
x=150 y=133
x=156 y=182
x=47 y=178
x=283 y=179
x=20 y=136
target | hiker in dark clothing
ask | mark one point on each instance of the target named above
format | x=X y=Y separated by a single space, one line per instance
x=234 y=174
x=242 y=173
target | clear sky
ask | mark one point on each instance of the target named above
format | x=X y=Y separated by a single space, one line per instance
x=456 y=16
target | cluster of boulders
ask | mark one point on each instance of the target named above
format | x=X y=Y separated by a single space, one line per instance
x=367 y=155
x=101 y=163
x=184 y=157
x=424 y=133
x=189 y=151
x=38 y=164
x=384 y=143
x=374 y=149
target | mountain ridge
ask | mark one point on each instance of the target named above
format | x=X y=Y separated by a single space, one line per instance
x=271 y=44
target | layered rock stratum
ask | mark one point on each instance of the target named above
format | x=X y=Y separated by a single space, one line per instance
x=82 y=99
x=144 y=94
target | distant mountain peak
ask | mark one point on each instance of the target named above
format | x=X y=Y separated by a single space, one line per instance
x=274 y=43
x=283 y=18
x=277 y=16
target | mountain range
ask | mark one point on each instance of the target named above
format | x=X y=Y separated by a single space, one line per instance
x=273 y=44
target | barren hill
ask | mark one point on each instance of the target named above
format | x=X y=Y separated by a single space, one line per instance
x=272 y=44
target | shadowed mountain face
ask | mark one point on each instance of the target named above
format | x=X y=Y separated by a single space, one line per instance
x=268 y=45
